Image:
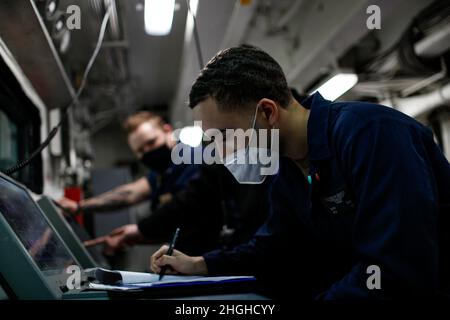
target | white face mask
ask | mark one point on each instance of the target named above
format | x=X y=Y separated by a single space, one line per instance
x=251 y=165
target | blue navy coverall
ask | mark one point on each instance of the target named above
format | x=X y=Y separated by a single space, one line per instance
x=172 y=181
x=378 y=193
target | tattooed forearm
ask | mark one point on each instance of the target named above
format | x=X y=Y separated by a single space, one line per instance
x=119 y=197
x=112 y=200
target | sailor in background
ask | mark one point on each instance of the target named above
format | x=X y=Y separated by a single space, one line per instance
x=211 y=208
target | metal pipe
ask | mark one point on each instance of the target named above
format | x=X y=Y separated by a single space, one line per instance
x=417 y=105
x=435 y=44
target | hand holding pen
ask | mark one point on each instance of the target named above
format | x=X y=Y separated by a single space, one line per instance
x=177 y=262
x=169 y=252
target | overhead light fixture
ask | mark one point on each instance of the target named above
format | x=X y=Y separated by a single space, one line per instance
x=193 y=4
x=59 y=32
x=50 y=8
x=192 y=136
x=337 y=85
x=47 y=8
x=158 y=16
x=59 y=24
x=64 y=44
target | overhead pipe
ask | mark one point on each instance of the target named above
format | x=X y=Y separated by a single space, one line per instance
x=435 y=44
x=417 y=105
x=431 y=46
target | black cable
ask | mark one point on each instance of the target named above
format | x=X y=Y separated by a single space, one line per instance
x=55 y=129
x=24 y=163
x=196 y=36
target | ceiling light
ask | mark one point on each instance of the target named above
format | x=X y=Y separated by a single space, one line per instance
x=158 y=16
x=337 y=85
x=51 y=7
x=193 y=4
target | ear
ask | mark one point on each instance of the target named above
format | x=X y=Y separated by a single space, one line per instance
x=270 y=110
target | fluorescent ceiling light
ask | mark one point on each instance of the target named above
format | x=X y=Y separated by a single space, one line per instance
x=193 y=4
x=337 y=85
x=158 y=16
x=192 y=136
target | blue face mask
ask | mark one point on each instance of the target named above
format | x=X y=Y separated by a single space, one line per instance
x=252 y=164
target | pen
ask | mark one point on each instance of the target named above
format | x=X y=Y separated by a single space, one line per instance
x=169 y=252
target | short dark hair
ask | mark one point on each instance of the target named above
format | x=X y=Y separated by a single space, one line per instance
x=238 y=76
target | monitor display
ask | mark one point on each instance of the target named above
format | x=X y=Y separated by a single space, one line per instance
x=32 y=228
